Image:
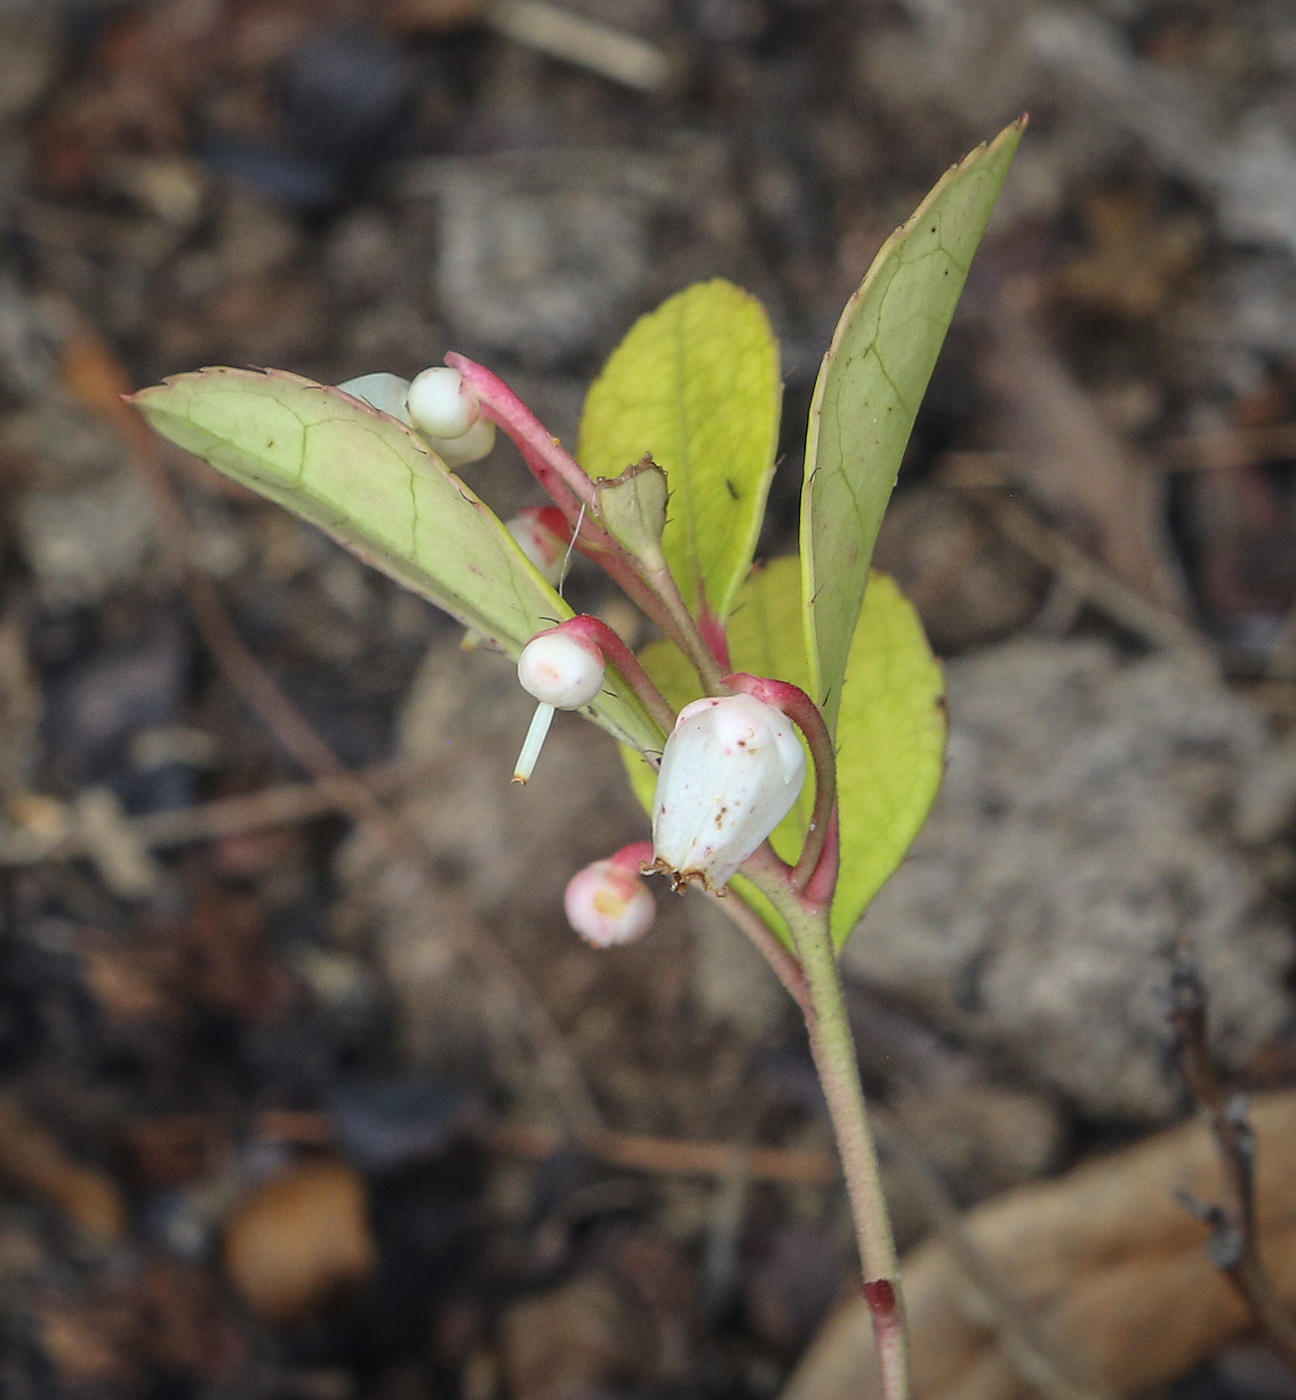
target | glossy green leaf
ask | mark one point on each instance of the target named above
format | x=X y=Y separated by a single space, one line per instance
x=696 y=385
x=373 y=485
x=867 y=395
x=890 y=732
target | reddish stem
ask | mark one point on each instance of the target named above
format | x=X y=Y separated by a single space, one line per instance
x=888 y=1326
x=570 y=487
x=814 y=876
x=820 y=887
x=555 y=468
x=615 y=651
x=634 y=857
x=713 y=634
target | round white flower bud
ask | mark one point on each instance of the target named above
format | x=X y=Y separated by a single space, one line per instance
x=475 y=444
x=385 y=392
x=440 y=404
x=731 y=771
x=608 y=904
x=561 y=670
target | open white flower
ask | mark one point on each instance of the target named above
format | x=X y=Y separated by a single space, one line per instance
x=732 y=769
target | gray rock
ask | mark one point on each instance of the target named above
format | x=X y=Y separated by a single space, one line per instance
x=82 y=544
x=1085 y=826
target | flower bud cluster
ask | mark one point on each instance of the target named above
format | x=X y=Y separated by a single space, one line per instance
x=437 y=404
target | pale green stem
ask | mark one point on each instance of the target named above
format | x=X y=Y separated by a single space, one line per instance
x=834 y=1056
x=662 y=582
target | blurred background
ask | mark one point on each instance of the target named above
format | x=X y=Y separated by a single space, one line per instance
x=306 y=1089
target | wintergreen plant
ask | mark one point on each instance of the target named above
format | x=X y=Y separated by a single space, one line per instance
x=760 y=676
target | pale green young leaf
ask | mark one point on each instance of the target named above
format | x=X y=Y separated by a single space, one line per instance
x=372 y=484
x=695 y=384
x=890 y=732
x=867 y=395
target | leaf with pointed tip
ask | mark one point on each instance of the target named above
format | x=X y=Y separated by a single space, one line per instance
x=867 y=395
x=890 y=734
x=372 y=484
x=695 y=384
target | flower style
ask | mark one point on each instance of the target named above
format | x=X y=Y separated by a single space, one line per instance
x=564 y=671
x=731 y=771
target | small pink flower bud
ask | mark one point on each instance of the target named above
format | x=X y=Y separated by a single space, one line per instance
x=731 y=771
x=561 y=670
x=609 y=904
x=541 y=534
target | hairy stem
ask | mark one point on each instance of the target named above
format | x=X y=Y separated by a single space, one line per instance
x=786 y=968
x=685 y=630
x=834 y=1057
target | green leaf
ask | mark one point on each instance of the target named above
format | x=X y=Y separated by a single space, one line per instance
x=867 y=395
x=890 y=733
x=696 y=385
x=372 y=484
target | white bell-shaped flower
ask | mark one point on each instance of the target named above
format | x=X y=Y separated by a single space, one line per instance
x=458 y=452
x=561 y=670
x=731 y=771
x=437 y=399
x=608 y=904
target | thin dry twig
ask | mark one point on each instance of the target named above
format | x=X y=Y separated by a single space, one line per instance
x=282 y=805
x=1226 y=450
x=660 y=1156
x=1039 y=1359
x=1234 y=1245
x=1097 y=584
x=91 y=371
